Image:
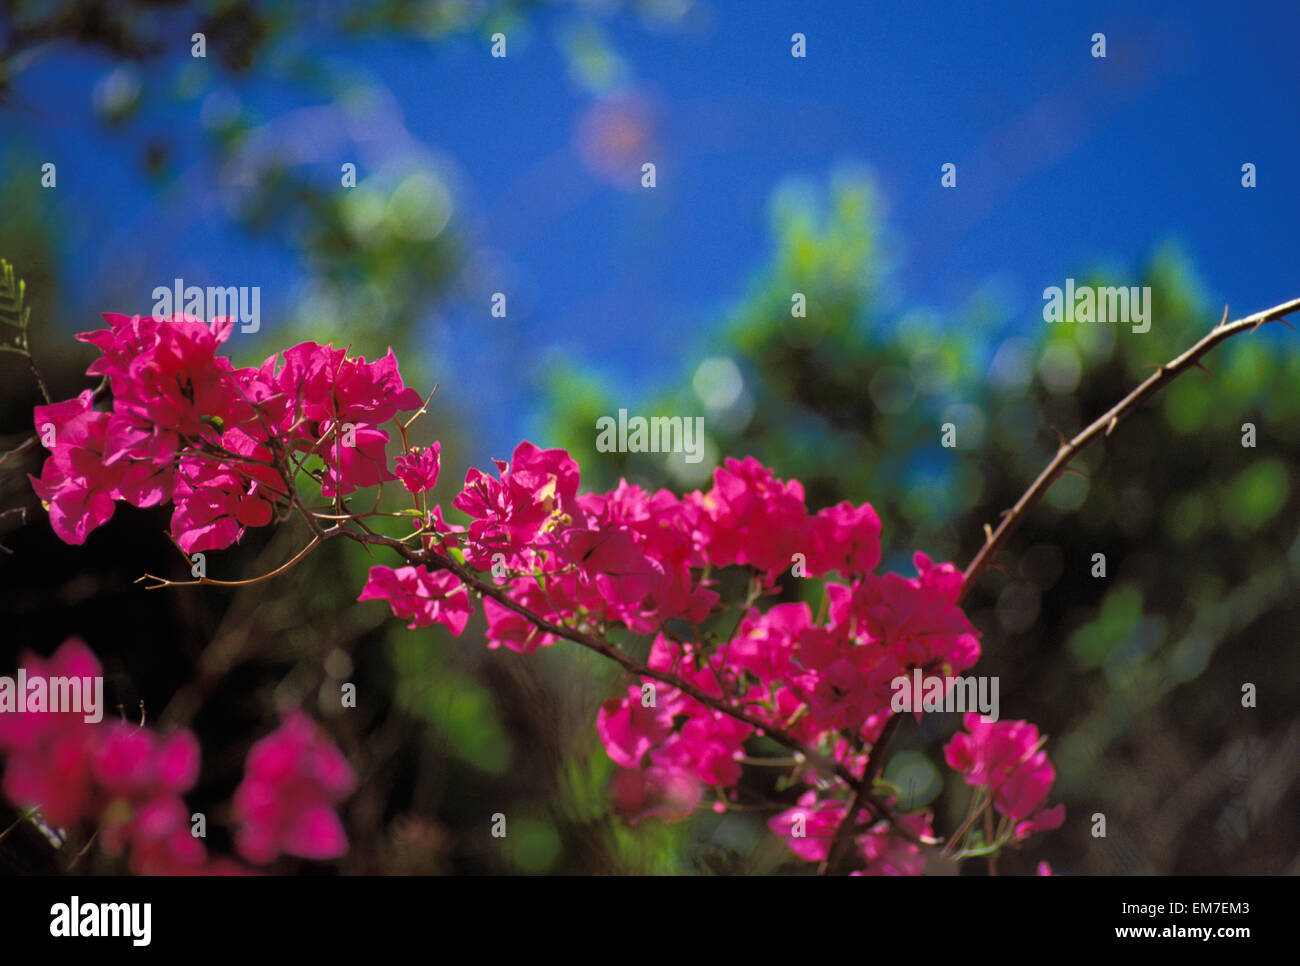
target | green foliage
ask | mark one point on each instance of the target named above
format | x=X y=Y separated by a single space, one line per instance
x=13 y=311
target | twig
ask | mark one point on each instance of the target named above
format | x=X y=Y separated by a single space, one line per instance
x=161 y=582
x=22 y=447
x=21 y=818
x=1103 y=426
x=861 y=793
x=1066 y=452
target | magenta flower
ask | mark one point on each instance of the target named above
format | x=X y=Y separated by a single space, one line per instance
x=1006 y=758
x=611 y=561
x=510 y=512
x=418 y=469
x=166 y=372
x=50 y=753
x=285 y=805
x=141 y=777
x=512 y=630
x=665 y=793
x=885 y=852
x=76 y=484
x=810 y=827
x=426 y=598
x=333 y=386
x=629 y=730
x=751 y=517
x=844 y=539
x=125 y=779
x=215 y=501
x=162 y=842
x=636 y=551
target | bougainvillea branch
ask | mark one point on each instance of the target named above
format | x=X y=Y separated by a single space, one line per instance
x=593 y=643
x=861 y=797
x=1105 y=424
x=230 y=449
x=1059 y=465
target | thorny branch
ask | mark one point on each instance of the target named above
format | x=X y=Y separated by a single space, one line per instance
x=1102 y=426
x=1106 y=423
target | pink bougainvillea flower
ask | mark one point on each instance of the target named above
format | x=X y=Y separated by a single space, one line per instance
x=166 y=372
x=50 y=753
x=509 y=512
x=141 y=777
x=710 y=745
x=646 y=571
x=809 y=827
x=216 y=501
x=293 y=779
x=207 y=513
x=612 y=561
x=334 y=386
x=885 y=852
x=764 y=643
x=76 y=484
x=1043 y=820
x=133 y=760
x=750 y=517
x=355 y=458
x=845 y=539
x=424 y=597
x=516 y=632
x=162 y=841
x=665 y=793
x=1006 y=758
x=55 y=775
x=628 y=729
x=418 y=469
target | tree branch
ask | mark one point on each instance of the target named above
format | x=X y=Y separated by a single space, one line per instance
x=1104 y=425
x=1060 y=464
x=861 y=794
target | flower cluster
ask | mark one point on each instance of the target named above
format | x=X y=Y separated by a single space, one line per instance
x=810 y=829
x=642 y=560
x=188 y=428
x=129 y=782
x=285 y=804
x=226 y=446
x=1006 y=760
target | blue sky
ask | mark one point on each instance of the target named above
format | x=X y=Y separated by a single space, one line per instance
x=1064 y=162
